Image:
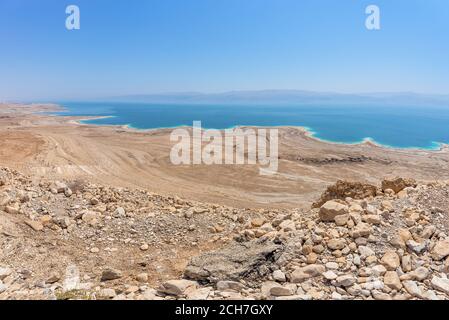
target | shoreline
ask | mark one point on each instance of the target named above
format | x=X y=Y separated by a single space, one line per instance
x=308 y=132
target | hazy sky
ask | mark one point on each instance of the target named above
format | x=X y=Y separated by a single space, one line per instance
x=148 y=46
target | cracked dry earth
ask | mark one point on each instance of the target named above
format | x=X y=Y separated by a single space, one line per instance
x=77 y=240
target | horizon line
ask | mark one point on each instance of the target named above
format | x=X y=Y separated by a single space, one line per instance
x=233 y=91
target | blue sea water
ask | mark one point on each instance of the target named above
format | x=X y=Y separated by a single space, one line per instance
x=393 y=126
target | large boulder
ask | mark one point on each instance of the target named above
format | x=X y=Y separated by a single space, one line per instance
x=331 y=209
x=234 y=262
x=397 y=184
x=343 y=189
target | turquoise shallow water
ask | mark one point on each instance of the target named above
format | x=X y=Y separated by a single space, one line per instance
x=394 y=126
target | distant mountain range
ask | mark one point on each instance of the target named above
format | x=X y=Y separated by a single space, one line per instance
x=286 y=97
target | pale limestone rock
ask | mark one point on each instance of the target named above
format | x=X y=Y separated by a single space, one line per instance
x=372 y=219
x=365 y=252
x=336 y=244
x=361 y=230
x=307 y=272
x=35 y=225
x=4 y=272
x=412 y=288
x=288 y=289
x=390 y=260
x=89 y=217
x=226 y=285
x=341 y=220
x=440 y=284
x=331 y=209
x=278 y=275
x=417 y=247
x=142 y=277
x=177 y=287
x=107 y=293
x=330 y=275
x=441 y=250
x=391 y=280
x=345 y=280
x=199 y=294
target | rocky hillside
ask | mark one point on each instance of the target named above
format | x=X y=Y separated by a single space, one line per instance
x=76 y=240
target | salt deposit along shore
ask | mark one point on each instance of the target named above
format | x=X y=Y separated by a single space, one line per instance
x=90 y=212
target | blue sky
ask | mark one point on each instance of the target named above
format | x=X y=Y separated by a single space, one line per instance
x=151 y=46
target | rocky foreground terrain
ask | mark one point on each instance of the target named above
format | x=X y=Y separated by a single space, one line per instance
x=77 y=240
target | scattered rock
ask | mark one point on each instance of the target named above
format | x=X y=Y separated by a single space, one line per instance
x=330 y=275
x=307 y=272
x=120 y=212
x=53 y=278
x=336 y=244
x=440 y=284
x=331 y=209
x=12 y=209
x=142 y=277
x=397 y=184
x=412 y=288
x=417 y=247
x=89 y=217
x=199 y=294
x=283 y=290
x=229 y=285
x=4 y=272
x=391 y=279
x=390 y=260
x=345 y=280
x=110 y=274
x=441 y=250
x=107 y=293
x=361 y=230
x=177 y=287
x=279 y=276
x=35 y=225
x=59 y=186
